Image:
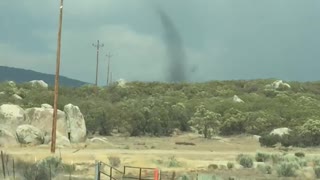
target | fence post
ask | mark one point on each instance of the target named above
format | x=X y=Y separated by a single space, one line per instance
x=3 y=168
x=110 y=173
x=7 y=160
x=97 y=175
x=156 y=174
x=13 y=169
x=140 y=174
x=124 y=170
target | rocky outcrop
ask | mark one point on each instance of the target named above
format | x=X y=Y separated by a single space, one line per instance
x=46 y=106
x=39 y=83
x=122 y=83
x=42 y=119
x=34 y=125
x=6 y=137
x=16 y=96
x=75 y=123
x=280 y=131
x=11 y=116
x=27 y=134
x=61 y=141
x=237 y=99
x=278 y=84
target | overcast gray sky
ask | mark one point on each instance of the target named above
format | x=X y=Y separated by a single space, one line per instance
x=223 y=39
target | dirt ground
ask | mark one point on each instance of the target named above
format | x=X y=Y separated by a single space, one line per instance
x=158 y=152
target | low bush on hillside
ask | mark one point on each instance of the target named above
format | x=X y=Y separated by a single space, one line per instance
x=245 y=160
x=262 y=157
x=286 y=169
x=265 y=169
x=47 y=168
x=157 y=109
x=114 y=161
x=269 y=140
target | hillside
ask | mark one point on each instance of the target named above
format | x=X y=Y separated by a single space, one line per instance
x=138 y=108
x=22 y=75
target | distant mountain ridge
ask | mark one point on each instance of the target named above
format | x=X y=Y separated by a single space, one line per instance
x=19 y=75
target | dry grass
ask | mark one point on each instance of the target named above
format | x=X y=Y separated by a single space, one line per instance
x=146 y=152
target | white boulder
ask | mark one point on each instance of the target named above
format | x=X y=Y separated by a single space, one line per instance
x=6 y=137
x=46 y=106
x=27 y=134
x=122 y=83
x=11 y=116
x=40 y=83
x=42 y=118
x=280 y=131
x=237 y=99
x=16 y=96
x=75 y=123
x=61 y=141
x=278 y=84
x=12 y=84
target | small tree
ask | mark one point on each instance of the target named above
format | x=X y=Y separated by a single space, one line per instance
x=205 y=121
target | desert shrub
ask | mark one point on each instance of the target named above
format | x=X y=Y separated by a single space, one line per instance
x=213 y=167
x=317 y=171
x=299 y=154
x=269 y=140
x=45 y=169
x=69 y=168
x=262 y=157
x=302 y=162
x=294 y=139
x=316 y=161
x=222 y=167
x=276 y=158
x=230 y=165
x=114 y=161
x=173 y=162
x=286 y=169
x=265 y=169
x=246 y=161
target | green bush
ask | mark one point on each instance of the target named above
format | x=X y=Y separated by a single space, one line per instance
x=265 y=169
x=114 y=161
x=299 y=154
x=286 y=169
x=230 y=165
x=262 y=157
x=317 y=171
x=173 y=162
x=245 y=160
x=44 y=169
x=213 y=167
x=276 y=158
x=269 y=140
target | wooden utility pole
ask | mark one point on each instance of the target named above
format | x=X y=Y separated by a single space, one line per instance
x=56 y=83
x=108 y=68
x=97 y=66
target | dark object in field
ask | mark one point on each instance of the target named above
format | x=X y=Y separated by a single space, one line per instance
x=185 y=143
x=140 y=143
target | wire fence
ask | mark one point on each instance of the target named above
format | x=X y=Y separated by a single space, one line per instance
x=7 y=165
x=128 y=173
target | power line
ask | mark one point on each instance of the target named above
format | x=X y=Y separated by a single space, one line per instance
x=56 y=83
x=98 y=46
